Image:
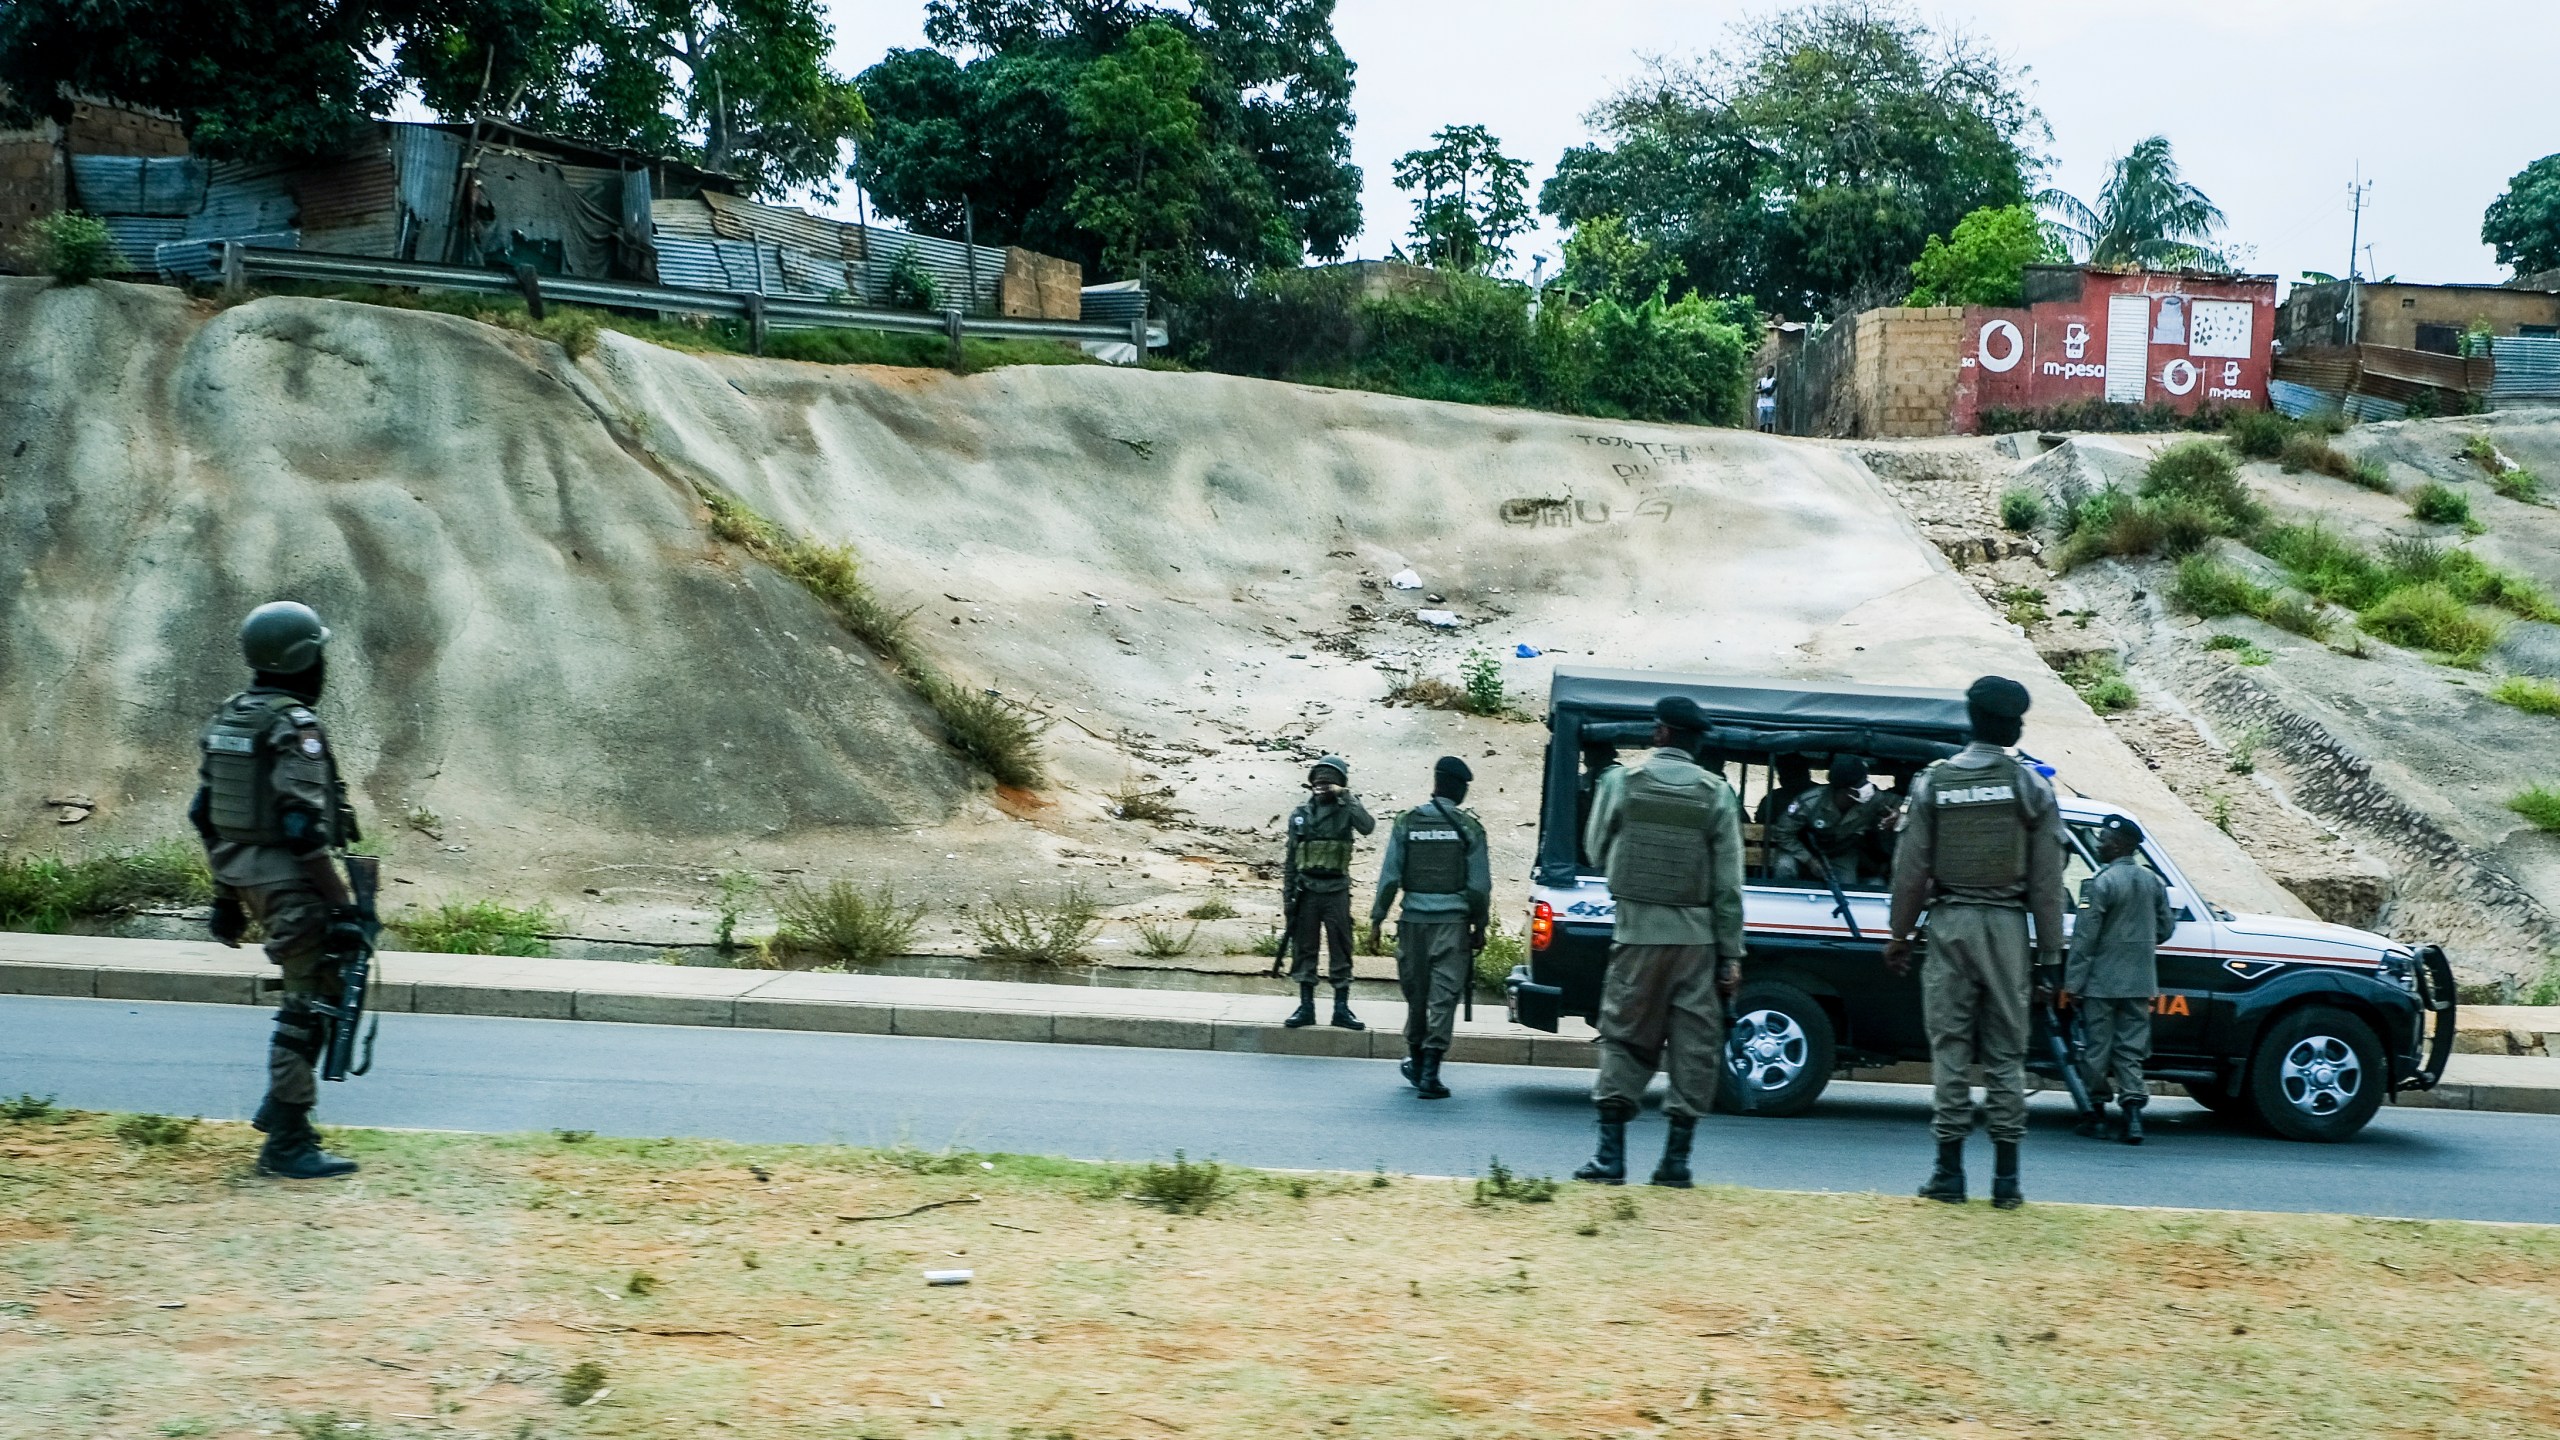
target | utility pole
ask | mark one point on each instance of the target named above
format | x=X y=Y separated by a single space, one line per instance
x=2355 y=234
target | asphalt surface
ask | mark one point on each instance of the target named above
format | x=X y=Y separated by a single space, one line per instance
x=1097 y=1102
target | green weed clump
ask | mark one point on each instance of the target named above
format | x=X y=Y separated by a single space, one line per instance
x=2240 y=648
x=478 y=927
x=74 y=248
x=2190 y=493
x=1181 y=1187
x=1042 y=932
x=580 y=1382
x=2431 y=617
x=2021 y=509
x=2210 y=588
x=26 y=1107
x=1160 y=942
x=842 y=924
x=1133 y=801
x=1001 y=739
x=1503 y=951
x=2023 y=606
x=156 y=1130
x=1481 y=674
x=44 y=894
x=2539 y=804
x=2308 y=450
x=2518 y=484
x=2440 y=504
x=2258 y=434
x=2100 y=681
x=2529 y=693
x=1216 y=907
x=1501 y=1183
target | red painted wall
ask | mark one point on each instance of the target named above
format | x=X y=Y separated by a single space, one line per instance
x=2185 y=341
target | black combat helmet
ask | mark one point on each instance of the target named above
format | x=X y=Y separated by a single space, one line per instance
x=282 y=637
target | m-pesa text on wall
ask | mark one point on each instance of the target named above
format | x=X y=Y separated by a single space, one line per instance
x=2184 y=339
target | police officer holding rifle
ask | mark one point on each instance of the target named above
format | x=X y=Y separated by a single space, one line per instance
x=274 y=815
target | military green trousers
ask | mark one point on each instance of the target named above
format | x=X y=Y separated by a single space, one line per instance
x=1322 y=922
x=1659 y=1010
x=1431 y=965
x=295 y=920
x=2116 y=1040
x=1974 y=989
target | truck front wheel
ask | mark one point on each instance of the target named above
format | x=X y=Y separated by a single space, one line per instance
x=1777 y=1053
x=2318 y=1074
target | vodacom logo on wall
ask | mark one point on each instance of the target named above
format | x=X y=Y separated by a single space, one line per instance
x=2179 y=376
x=2000 y=347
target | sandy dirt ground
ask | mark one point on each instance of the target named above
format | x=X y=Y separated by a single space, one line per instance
x=459 y=1285
x=552 y=682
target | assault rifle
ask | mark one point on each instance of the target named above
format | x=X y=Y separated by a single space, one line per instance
x=2066 y=1056
x=338 y=1057
x=1839 y=897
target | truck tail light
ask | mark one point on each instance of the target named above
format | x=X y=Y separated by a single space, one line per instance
x=1542 y=925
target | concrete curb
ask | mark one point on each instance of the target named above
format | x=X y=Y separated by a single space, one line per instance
x=104 y=968
x=115 y=969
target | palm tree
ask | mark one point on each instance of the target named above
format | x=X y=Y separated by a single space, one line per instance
x=2147 y=216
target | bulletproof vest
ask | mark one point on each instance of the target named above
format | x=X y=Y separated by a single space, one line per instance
x=1435 y=852
x=1664 y=842
x=1324 y=840
x=1981 y=822
x=239 y=768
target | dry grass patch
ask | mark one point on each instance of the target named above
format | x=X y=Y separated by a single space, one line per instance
x=482 y=1285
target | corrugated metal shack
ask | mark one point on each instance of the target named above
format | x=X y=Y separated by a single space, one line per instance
x=496 y=195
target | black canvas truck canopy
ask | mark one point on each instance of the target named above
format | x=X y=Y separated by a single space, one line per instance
x=1749 y=719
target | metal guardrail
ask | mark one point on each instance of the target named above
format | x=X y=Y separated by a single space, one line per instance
x=241 y=263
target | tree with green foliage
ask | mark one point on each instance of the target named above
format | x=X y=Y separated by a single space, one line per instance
x=986 y=124
x=1985 y=261
x=1473 y=200
x=246 y=78
x=2147 y=216
x=1808 y=160
x=740 y=86
x=2524 y=223
x=1603 y=259
x=1141 y=154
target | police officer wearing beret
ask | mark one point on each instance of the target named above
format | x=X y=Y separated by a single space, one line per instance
x=271 y=809
x=1981 y=852
x=2114 y=972
x=1438 y=860
x=1668 y=834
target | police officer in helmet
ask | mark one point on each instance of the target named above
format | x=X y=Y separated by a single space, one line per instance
x=1315 y=886
x=1981 y=852
x=271 y=809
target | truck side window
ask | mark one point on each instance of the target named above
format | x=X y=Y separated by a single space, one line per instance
x=2079 y=862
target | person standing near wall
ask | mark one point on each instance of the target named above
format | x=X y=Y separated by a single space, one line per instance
x=1315 y=886
x=1436 y=856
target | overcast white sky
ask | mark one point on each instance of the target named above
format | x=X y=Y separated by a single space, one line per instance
x=2271 y=104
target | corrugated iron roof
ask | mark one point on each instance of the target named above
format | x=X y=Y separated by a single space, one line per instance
x=108 y=185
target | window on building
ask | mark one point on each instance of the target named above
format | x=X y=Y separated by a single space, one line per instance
x=2440 y=339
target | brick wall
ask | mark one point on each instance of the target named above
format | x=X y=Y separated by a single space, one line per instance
x=31 y=187
x=98 y=129
x=1041 y=287
x=1903 y=379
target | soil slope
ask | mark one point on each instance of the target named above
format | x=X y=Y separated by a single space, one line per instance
x=544 y=647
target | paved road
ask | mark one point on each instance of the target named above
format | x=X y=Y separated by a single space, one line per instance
x=464 y=1073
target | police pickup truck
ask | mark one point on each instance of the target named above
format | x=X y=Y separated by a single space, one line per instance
x=2303 y=1026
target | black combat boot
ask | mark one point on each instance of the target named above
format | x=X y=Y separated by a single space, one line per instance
x=270 y=1115
x=1411 y=1066
x=1428 y=1080
x=2005 y=1194
x=2133 y=1118
x=1608 y=1165
x=2093 y=1124
x=1342 y=1016
x=1674 y=1169
x=292 y=1151
x=1947 y=1181
x=1305 y=1014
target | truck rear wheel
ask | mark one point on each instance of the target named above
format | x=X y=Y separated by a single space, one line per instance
x=2318 y=1075
x=1777 y=1053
